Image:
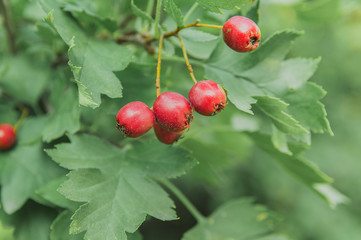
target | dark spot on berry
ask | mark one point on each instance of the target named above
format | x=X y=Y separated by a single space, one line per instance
x=121 y=129
x=254 y=40
x=189 y=119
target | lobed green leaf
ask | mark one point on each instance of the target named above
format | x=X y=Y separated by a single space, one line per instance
x=117 y=184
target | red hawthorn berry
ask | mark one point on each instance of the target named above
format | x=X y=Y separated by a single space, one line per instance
x=241 y=34
x=134 y=119
x=165 y=136
x=172 y=111
x=7 y=136
x=207 y=97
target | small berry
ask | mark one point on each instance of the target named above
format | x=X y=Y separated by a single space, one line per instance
x=165 y=136
x=7 y=136
x=134 y=119
x=241 y=34
x=172 y=111
x=207 y=97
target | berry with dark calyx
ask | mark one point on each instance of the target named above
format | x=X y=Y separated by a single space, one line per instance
x=7 y=136
x=134 y=119
x=207 y=97
x=165 y=136
x=172 y=111
x=241 y=34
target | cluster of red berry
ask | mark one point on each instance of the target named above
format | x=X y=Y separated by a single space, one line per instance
x=172 y=112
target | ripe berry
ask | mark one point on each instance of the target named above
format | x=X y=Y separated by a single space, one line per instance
x=207 y=97
x=241 y=34
x=172 y=111
x=7 y=136
x=134 y=119
x=165 y=136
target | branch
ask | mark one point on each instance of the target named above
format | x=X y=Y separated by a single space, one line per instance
x=176 y=31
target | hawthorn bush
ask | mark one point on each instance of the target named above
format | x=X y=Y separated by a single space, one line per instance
x=68 y=66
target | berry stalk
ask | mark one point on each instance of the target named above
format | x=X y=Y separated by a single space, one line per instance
x=24 y=114
x=157 y=80
x=189 y=66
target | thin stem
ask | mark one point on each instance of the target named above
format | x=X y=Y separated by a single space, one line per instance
x=157 y=80
x=189 y=66
x=209 y=25
x=157 y=18
x=190 y=11
x=191 y=208
x=24 y=114
x=8 y=26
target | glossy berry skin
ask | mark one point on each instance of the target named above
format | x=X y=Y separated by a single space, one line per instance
x=134 y=119
x=172 y=111
x=207 y=97
x=7 y=136
x=241 y=34
x=165 y=136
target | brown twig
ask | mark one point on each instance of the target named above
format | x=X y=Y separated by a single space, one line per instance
x=4 y=7
x=146 y=41
x=138 y=39
x=176 y=31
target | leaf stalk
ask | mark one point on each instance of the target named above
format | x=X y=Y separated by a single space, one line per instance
x=191 y=208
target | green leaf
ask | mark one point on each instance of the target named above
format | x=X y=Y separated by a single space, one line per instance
x=26 y=169
x=32 y=222
x=279 y=140
x=92 y=61
x=7 y=111
x=304 y=170
x=61 y=226
x=102 y=9
x=253 y=11
x=173 y=10
x=116 y=183
x=217 y=5
x=30 y=131
x=216 y=152
x=304 y=105
x=49 y=192
x=237 y=219
x=66 y=116
x=274 y=108
x=140 y=13
x=27 y=84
